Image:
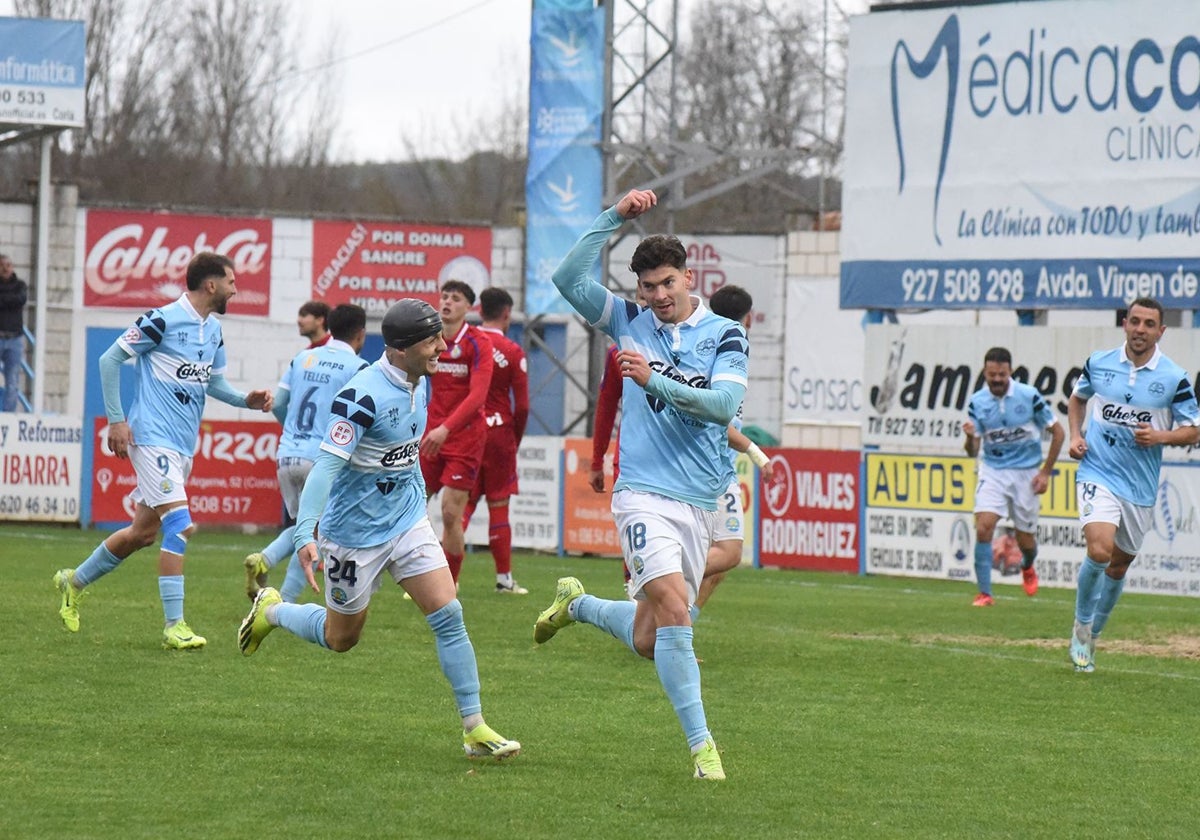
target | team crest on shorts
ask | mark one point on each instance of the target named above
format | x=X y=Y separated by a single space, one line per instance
x=733 y=524
x=639 y=565
x=1087 y=509
x=338 y=595
x=165 y=486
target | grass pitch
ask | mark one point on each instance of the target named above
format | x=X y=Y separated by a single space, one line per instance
x=844 y=707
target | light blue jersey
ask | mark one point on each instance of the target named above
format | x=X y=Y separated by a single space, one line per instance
x=1158 y=393
x=307 y=389
x=177 y=353
x=1010 y=427
x=673 y=432
x=375 y=427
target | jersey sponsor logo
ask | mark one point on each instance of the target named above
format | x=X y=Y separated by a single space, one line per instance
x=191 y=372
x=1010 y=434
x=342 y=433
x=402 y=456
x=454 y=368
x=698 y=381
x=1123 y=416
x=500 y=359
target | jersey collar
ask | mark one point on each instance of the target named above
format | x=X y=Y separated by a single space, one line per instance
x=698 y=312
x=1151 y=363
x=334 y=344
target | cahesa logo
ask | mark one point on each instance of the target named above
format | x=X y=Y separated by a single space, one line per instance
x=1123 y=416
x=160 y=253
x=402 y=456
x=698 y=381
x=193 y=372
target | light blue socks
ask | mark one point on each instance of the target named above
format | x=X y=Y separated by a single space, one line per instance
x=983 y=567
x=280 y=548
x=1087 y=589
x=614 y=617
x=457 y=656
x=170 y=590
x=675 y=661
x=294 y=582
x=306 y=621
x=1110 y=591
x=99 y=563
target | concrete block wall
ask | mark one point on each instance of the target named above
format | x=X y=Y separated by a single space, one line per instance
x=812 y=253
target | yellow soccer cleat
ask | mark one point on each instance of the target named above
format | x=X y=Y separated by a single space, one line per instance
x=485 y=742
x=255 y=626
x=556 y=616
x=256 y=573
x=68 y=608
x=181 y=637
x=708 y=762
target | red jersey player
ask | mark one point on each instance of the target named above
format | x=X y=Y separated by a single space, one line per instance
x=506 y=410
x=452 y=448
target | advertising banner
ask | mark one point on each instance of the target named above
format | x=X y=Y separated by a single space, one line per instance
x=139 y=260
x=533 y=512
x=40 y=460
x=820 y=386
x=919 y=523
x=1022 y=155
x=42 y=75
x=375 y=264
x=920 y=379
x=233 y=478
x=809 y=511
x=587 y=525
x=563 y=189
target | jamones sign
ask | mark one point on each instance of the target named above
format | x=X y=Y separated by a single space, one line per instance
x=139 y=260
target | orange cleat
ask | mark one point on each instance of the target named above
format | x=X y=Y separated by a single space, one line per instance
x=982 y=600
x=1029 y=581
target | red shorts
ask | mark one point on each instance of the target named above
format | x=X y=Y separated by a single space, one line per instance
x=457 y=463
x=498 y=472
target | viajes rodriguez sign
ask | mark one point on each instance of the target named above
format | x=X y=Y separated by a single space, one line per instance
x=139 y=260
x=375 y=264
x=808 y=512
x=233 y=479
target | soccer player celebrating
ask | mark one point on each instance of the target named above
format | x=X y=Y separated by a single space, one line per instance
x=180 y=361
x=1141 y=402
x=1005 y=419
x=366 y=490
x=453 y=447
x=685 y=373
x=315 y=376
x=506 y=410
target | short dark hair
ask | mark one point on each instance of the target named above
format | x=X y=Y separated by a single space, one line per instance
x=316 y=308
x=346 y=320
x=1147 y=303
x=732 y=302
x=204 y=265
x=493 y=302
x=462 y=288
x=658 y=250
x=999 y=355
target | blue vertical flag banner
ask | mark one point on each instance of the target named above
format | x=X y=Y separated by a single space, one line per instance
x=41 y=72
x=563 y=184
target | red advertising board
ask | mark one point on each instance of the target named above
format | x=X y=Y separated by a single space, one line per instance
x=587 y=515
x=375 y=264
x=809 y=511
x=139 y=260
x=232 y=482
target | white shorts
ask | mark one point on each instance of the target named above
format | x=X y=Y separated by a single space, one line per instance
x=731 y=520
x=161 y=474
x=661 y=536
x=353 y=575
x=1009 y=493
x=292 y=473
x=1098 y=504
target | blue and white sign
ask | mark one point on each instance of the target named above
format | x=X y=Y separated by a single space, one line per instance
x=42 y=72
x=1023 y=155
x=563 y=183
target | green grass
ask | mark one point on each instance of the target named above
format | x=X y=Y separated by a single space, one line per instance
x=843 y=706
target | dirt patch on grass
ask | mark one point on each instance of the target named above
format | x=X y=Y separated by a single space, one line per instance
x=1169 y=647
